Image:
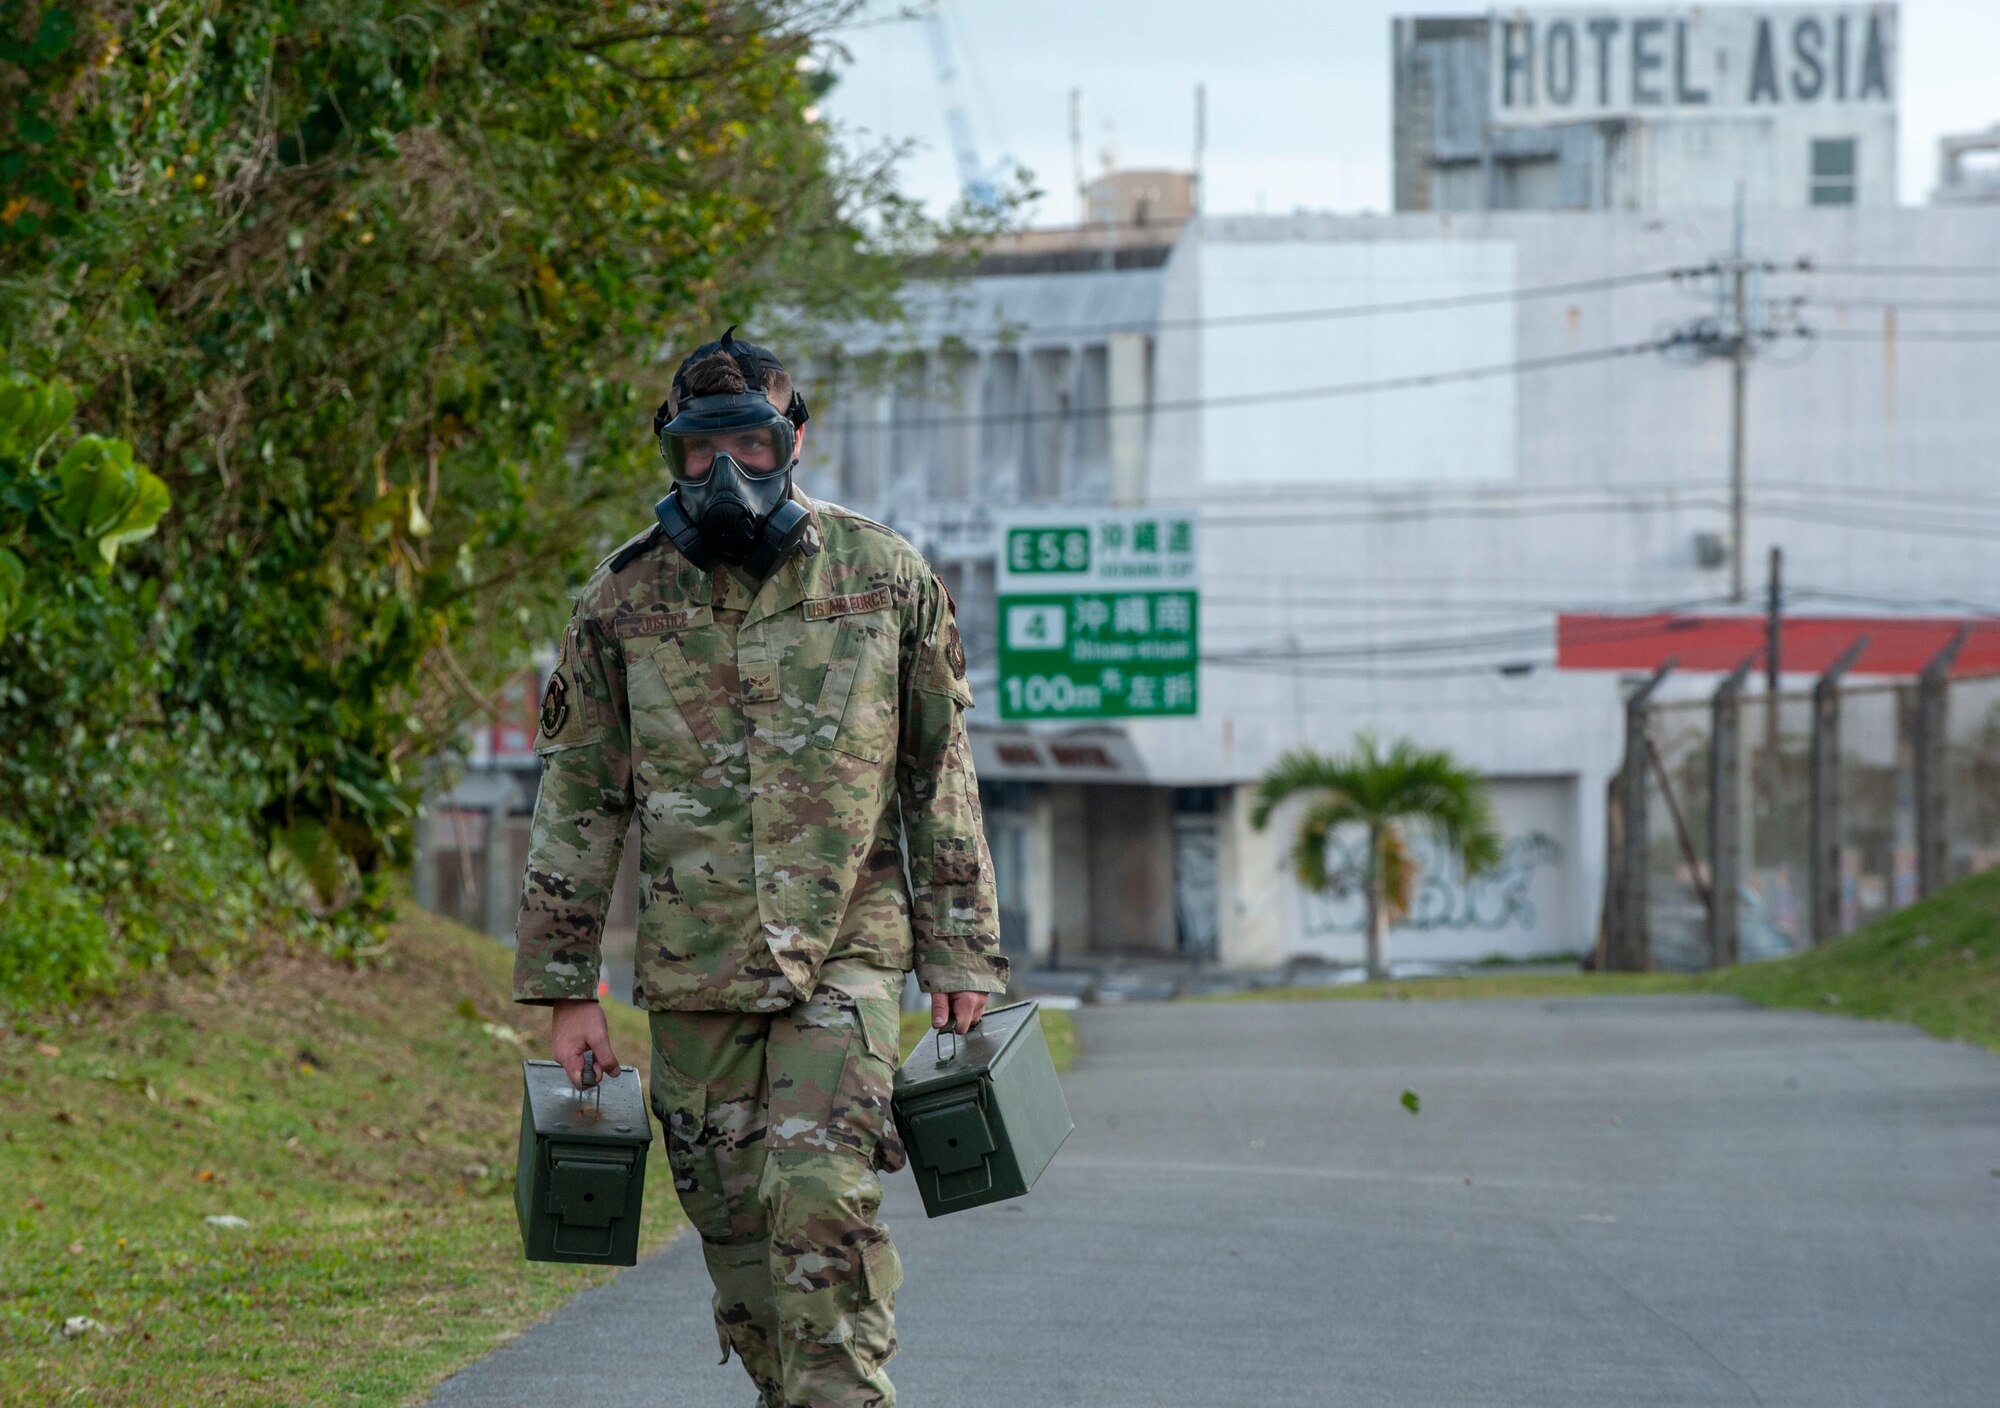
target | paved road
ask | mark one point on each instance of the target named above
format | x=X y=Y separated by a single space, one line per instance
x=1612 y=1201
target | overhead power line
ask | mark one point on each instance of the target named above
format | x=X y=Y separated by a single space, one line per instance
x=1914 y=271
x=1440 y=303
x=1602 y=632
x=1897 y=603
x=1923 y=305
x=1513 y=666
x=1264 y=398
x=1875 y=522
x=1857 y=515
x=1954 y=498
x=1417 y=512
x=1906 y=335
x=1446 y=302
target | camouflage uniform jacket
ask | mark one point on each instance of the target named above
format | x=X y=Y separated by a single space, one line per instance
x=767 y=738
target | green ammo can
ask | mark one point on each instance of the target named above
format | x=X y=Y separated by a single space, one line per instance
x=982 y=1117
x=582 y=1165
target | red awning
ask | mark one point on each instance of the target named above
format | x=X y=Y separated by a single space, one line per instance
x=1897 y=645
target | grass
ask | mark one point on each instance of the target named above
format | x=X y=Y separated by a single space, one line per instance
x=362 y=1124
x=1935 y=965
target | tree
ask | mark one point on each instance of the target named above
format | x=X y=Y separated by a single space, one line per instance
x=1385 y=793
x=378 y=291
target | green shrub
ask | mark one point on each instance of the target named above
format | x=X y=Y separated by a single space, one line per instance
x=54 y=944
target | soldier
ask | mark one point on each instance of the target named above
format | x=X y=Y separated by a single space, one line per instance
x=776 y=685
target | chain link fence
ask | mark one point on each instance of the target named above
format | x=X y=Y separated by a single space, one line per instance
x=1972 y=774
x=1763 y=824
x=1677 y=835
x=1776 y=774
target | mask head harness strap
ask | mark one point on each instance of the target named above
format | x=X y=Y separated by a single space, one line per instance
x=728 y=515
x=753 y=361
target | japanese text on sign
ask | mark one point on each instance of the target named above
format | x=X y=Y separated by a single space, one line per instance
x=1099 y=617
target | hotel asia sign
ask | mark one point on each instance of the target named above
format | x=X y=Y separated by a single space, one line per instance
x=1577 y=65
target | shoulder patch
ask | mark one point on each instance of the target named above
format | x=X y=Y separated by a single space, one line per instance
x=555 y=705
x=954 y=652
x=568 y=718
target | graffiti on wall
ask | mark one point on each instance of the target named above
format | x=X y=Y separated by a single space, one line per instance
x=1445 y=899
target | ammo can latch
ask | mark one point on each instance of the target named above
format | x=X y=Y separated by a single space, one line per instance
x=955 y=1137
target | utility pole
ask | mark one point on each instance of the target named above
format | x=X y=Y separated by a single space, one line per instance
x=1739 y=376
x=1774 y=624
x=1730 y=332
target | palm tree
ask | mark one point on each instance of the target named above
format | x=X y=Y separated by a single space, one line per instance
x=1387 y=793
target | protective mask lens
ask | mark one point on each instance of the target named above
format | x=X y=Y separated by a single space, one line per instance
x=759 y=451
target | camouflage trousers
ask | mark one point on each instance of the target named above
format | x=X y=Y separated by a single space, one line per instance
x=777 y=1128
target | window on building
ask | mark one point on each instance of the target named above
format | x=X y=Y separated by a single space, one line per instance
x=1049 y=400
x=1833 y=171
x=954 y=378
x=912 y=425
x=1092 y=445
x=1000 y=411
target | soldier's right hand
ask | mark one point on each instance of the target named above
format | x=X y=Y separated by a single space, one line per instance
x=575 y=1026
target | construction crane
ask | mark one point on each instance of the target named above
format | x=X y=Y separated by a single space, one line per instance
x=980 y=185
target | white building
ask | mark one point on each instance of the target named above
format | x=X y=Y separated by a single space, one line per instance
x=1410 y=441
x=1650 y=107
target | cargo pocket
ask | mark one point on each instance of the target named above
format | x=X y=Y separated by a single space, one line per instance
x=881 y=1268
x=874 y=1317
x=682 y=1106
x=880 y=1019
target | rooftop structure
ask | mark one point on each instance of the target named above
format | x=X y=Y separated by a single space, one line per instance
x=1646 y=108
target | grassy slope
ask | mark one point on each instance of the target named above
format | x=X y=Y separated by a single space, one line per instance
x=347 y=1117
x=1935 y=965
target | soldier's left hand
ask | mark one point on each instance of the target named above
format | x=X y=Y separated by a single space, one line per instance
x=957 y=1010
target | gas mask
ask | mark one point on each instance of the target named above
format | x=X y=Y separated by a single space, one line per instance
x=731 y=456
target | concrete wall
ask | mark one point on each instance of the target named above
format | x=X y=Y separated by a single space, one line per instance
x=1527 y=905
x=1070 y=870
x=1131 y=869
x=1251 y=870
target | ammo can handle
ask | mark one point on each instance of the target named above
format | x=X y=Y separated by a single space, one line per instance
x=938 y=1037
x=591 y=1080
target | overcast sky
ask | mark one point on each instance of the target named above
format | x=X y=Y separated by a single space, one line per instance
x=1298 y=92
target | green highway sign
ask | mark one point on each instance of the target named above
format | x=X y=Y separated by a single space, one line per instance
x=1034 y=550
x=1099 y=616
